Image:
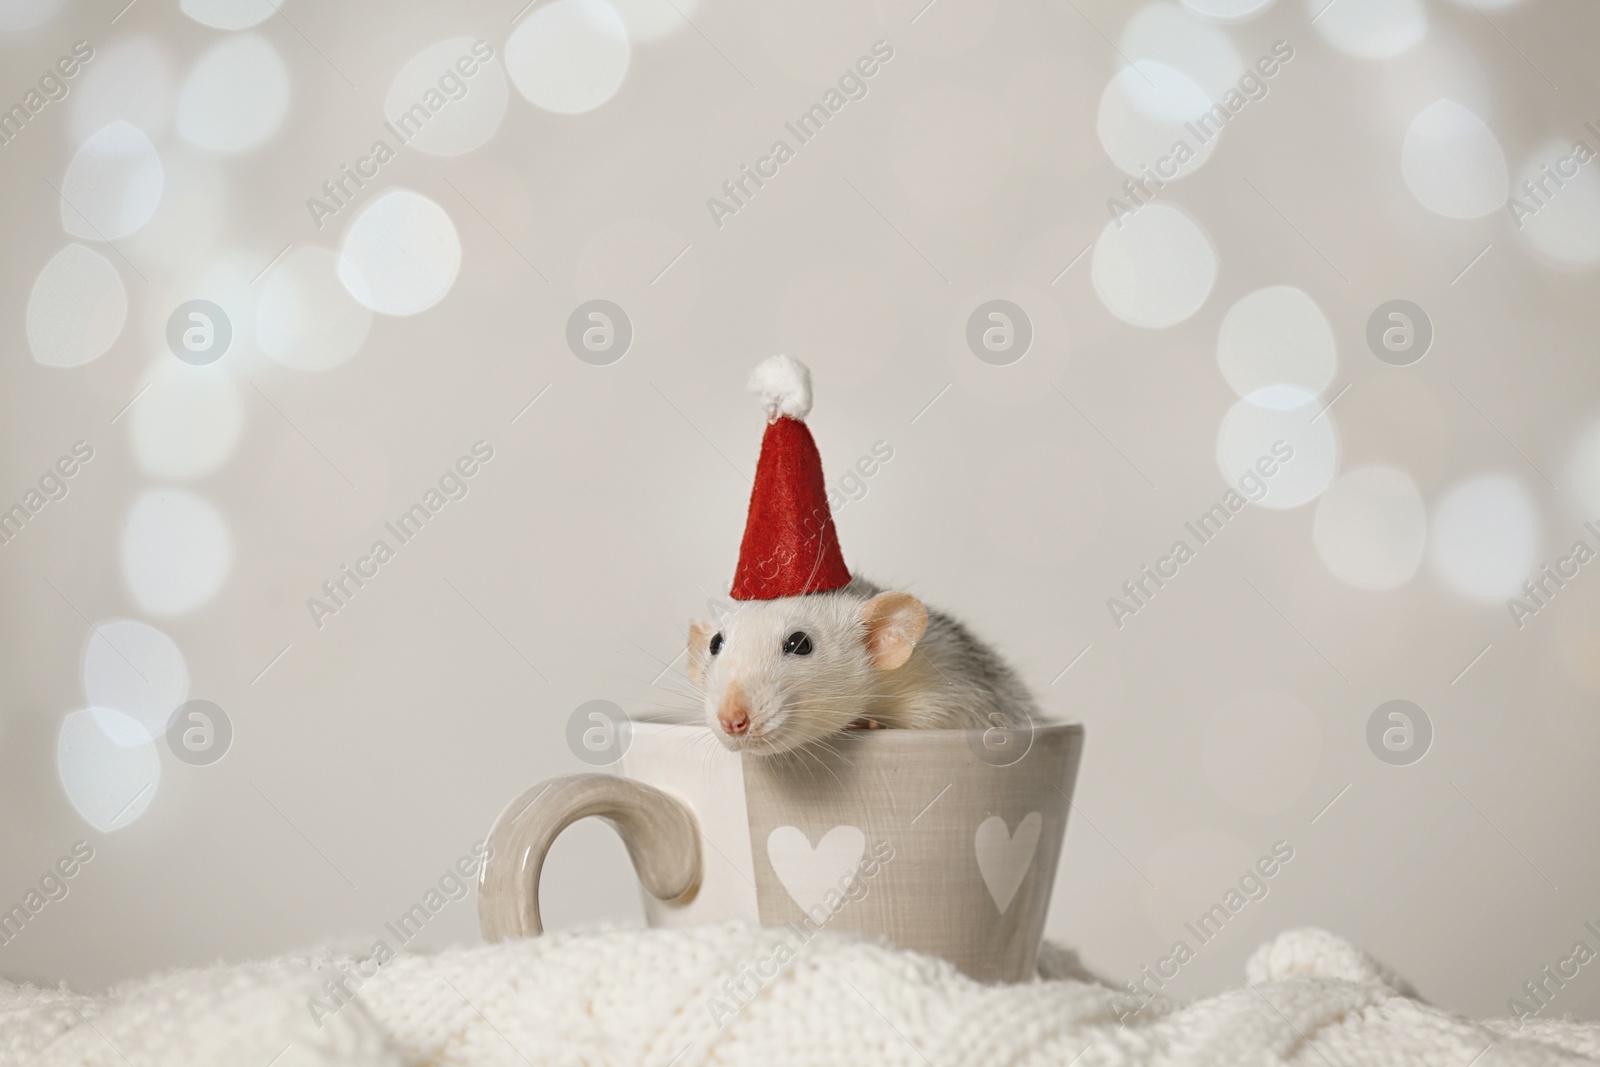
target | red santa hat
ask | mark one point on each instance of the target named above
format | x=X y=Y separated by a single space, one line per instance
x=790 y=546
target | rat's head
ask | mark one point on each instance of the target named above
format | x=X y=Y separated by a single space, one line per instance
x=778 y=674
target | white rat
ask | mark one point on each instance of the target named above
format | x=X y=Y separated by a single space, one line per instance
x=810 y=650
x=784 y=673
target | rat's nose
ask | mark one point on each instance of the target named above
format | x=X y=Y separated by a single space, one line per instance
x=734 y=714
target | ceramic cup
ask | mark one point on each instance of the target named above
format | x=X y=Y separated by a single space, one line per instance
x=941 y=841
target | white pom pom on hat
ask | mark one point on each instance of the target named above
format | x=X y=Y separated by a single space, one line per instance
x=784 y=385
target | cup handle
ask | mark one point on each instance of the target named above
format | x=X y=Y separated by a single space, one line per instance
x=659 y=833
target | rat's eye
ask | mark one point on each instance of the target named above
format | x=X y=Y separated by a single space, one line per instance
x=716 y=643
x=798 y=644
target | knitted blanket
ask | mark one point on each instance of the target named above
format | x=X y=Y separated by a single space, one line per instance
x=733 y=994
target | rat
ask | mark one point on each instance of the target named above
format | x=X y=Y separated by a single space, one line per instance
x=781 y=674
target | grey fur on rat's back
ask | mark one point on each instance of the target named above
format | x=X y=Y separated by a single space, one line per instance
x=979 y=688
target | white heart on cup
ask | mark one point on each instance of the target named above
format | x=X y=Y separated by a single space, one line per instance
x=809 y=874
x=1004 y=857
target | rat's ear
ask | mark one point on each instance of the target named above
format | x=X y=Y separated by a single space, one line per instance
x=895 y=623
x=699 y=650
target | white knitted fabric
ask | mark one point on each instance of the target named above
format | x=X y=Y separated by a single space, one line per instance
x=646 y=997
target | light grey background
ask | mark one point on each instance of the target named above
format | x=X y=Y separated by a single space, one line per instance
x=368 y=755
